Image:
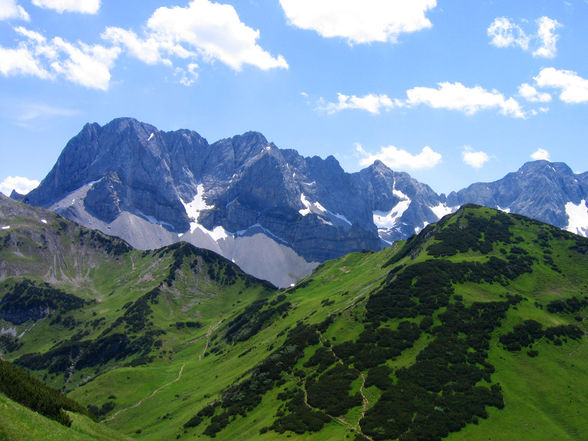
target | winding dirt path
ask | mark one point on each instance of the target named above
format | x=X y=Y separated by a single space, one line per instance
x=365 y=402
x=208 y=335
x=141 y=401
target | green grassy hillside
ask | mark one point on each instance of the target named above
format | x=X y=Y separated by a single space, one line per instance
x=19 y=423
x=472 y=330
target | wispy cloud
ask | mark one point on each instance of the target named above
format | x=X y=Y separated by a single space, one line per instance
x=503 y=32
x=32 y=111
x=371 y=103
x=448 y=96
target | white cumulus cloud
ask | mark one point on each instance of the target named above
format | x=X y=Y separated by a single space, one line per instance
x=573 y=88
x=469 y=100
x=202 y=30
x=20 y=184
x=503 y=32
x=371 y=103
x=10 y=9
x=359 y=21
x=399 y=159
x=79 y=63
x=473 y=158
x=532 y=95
x=61 y=6
x=540 y=154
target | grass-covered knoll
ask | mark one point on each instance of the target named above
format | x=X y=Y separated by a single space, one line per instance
x=416 y=342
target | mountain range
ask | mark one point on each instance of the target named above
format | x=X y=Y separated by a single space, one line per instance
x=270 y=210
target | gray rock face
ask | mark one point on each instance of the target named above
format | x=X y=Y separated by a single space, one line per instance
x=154 y=188
x=539 y=189
x=403 y=205
x=247 y=182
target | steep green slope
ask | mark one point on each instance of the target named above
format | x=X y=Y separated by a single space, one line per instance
x=474 y=329
x=76 y=303
x=31 y=411
x=19 y=423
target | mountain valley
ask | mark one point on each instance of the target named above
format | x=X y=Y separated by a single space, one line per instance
x=472 y=329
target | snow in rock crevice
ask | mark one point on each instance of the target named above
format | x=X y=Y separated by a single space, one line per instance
x=193 y=210
x=151 y=137
x=322 y=213
x=7 y=227
x=577 y=218
x=311 y=207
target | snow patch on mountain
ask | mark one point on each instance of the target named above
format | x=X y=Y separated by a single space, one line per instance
x=418 y=229
x=442 y=209
x=194 y=208
x=385 y=220
x=398 y=193
x=311 y=207
x=151 y=137
x=7 y=227
x=506 y=210
x=577 y=218
x=326 y=217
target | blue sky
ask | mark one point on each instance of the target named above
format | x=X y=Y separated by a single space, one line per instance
x=452 y=92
